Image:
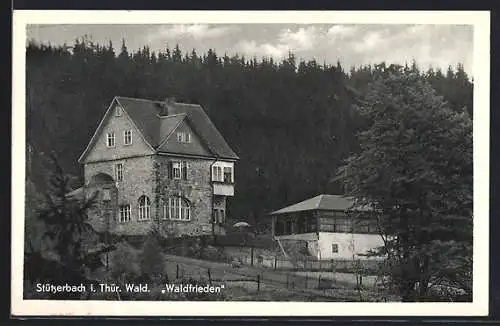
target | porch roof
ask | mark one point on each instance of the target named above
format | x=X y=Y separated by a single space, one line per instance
x=320 y=202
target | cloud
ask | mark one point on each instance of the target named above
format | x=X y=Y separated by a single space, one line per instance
x=370 y=41
x=195 y=31
x=288 y=40
x=302 y=39
x=340 y=31
x=430 y=45
x=262 y=49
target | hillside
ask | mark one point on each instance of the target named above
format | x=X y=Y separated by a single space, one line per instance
x=292 y=123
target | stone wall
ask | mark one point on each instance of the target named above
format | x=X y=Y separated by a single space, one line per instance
x=138 y=180
x=149 y=175
x=197 y=189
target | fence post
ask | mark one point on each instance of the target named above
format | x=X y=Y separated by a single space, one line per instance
x=319 y=281
x=306 y=281
x=258 y=282
x=177 y=272
x=209 y=276
x=275 y=262
x=287 y=280
x=251 y=256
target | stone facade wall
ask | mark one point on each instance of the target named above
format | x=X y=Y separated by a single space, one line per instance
x=149 y=175
x=197 y=189
x=103 y=211
x=138 y=180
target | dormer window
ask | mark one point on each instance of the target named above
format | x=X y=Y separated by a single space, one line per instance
x=118 y=111
x=127 y=137
x=110 y=139
x=183 y=137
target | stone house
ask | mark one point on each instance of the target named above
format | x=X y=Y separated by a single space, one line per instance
x=157 y=162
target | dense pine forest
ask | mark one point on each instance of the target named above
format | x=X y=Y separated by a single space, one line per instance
x=293 y=123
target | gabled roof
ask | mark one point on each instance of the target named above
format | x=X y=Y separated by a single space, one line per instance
x=320 y=202
x=145 y=115
x=168 y=124
x=156 y=120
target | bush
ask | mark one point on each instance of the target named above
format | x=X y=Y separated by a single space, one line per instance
x=152 y=261
x=123 y=262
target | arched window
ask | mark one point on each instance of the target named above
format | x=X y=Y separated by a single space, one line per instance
x=144 y=208
x=178 y=208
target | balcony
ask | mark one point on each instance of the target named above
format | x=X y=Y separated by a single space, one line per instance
x=223 y=188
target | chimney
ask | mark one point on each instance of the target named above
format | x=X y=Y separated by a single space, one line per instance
x=170 y=99
x=161 y=108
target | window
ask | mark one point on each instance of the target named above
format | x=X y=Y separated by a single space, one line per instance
x=118 y=111
x=184 y=167
x=222 y=216
x=178 y=208
x=218 y=216
x=106 y=195
x=343 y=225
x=335 y=248
x=179 y=170
x=222 y=174
x=217 y=173
x=119 y=172
x=144 y=208
x=183 y=137
x=127 y=137
x=176 y=168
x=124 y=213
x=110 y=140
x=228 y=174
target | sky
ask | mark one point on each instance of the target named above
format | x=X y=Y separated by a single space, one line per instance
x=351 y=44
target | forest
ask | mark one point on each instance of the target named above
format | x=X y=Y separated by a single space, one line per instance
x=293 y=123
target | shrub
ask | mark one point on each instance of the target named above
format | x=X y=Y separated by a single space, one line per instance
x=123 y=262
x=152 y=260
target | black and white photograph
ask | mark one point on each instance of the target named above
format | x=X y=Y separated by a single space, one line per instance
x=247 y=163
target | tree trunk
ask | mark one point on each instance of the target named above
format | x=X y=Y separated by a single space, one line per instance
x=424 y=279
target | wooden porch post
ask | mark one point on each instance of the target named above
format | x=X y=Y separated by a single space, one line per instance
x=273 y=222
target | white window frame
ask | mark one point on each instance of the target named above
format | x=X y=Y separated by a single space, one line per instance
x=336 y=246
x=183 y=137
x=118 y=111
x=217 y=174
x=124 y=213
x=178 y=209
x=129 y=133
x=119 y=172
x=110 y=140
x=144 y=210
x=176 y=166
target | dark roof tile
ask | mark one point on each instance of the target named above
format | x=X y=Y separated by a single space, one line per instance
x=155 y=128
x=320 y=202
